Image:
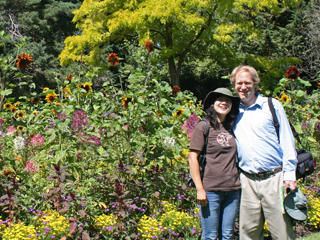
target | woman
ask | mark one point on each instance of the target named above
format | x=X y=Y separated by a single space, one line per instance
x=218 y=192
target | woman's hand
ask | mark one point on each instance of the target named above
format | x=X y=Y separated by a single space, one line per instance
x=202 y=197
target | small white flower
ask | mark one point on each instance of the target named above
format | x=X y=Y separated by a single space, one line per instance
x=169 y=142
x=19 y=143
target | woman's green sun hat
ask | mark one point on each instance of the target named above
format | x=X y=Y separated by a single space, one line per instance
x=220 y=91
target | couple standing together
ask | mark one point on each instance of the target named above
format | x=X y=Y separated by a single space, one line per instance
x=243 y=147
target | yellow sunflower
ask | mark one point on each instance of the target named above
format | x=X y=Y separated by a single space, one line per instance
x=7 y=106
x=51 y=97
x=87 y=86
x=66 y=92
x=20 y=114
x=285 y=98
x=20 y=128
x=46 y=89
x=179 y=112
x=13 y=109
x=17 y=104
x=35 y=113
x=57 y=103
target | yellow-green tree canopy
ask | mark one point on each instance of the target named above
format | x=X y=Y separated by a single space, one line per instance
x=177 y=27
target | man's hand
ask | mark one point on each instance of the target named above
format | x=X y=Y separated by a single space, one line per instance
x=290 y=184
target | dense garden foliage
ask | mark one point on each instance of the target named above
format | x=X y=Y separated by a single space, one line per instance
x=112 y=164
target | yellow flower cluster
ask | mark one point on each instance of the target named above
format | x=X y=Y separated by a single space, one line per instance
x=57 y=223
x=106 y=223
x=169 y=220
x=2 y=226
x=313 y=211
x=149 y=227
x=19 y=231
x=175 y=220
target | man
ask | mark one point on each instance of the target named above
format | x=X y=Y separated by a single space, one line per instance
x=266 y=164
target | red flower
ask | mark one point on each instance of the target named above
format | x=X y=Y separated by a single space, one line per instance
x=293 y=73
x=113 y=59
x=23 y=61
x=149 y=45
x=175 y=90
x=69 y=78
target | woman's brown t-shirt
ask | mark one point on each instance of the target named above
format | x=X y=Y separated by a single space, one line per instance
x=221 y=172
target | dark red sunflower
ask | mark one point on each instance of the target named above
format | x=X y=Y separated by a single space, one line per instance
x=23 y=61
x=149 y=46
x=69 y=78
x=175 y=90
x=35 y=100
x=113 y=59
x=293 y=73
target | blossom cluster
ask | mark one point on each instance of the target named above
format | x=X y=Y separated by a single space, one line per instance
x=190 y=124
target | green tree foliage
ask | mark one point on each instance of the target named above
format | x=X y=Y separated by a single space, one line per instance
x=178 y=28
x=39 y=28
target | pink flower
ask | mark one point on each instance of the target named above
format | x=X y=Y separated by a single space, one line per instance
x=11 y=129
x=31 y=167
x=37 y=140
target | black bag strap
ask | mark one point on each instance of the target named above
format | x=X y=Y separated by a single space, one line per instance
x=204 y=150
x=277 y=125
x=274 y=116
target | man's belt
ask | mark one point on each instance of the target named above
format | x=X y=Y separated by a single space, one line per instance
x=264 y=175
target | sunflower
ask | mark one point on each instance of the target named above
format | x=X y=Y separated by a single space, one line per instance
x=80 y=86
x=149 y=45
x=292 y=73
x=35 y=113
x=125 y=102
x=87 y=86
x=20 y=128
x=69 y=78
x=20 y=114
x=46 y=89
x=17 y=104
x=23 y=61
x=113 y=59
x=66 y=92
x=13 y=109
x=179 y=112
x=285 y=98
x=35 y=100
x=175 y=90
x=51 y=97
x=57 y=103
x=7 y=106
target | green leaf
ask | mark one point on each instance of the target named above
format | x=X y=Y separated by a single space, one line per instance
x=5 y=92
x=300 y=93
x=311 y=139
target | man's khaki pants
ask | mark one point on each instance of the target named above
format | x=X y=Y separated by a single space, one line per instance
x=260 y=201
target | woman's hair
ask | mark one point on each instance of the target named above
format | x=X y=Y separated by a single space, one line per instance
x=230 y=118
x=244 y=68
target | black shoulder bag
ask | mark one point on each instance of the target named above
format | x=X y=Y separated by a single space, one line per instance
x=305 y=165
x=202 y=159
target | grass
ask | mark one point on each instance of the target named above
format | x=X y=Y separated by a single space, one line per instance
x=315 y=236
